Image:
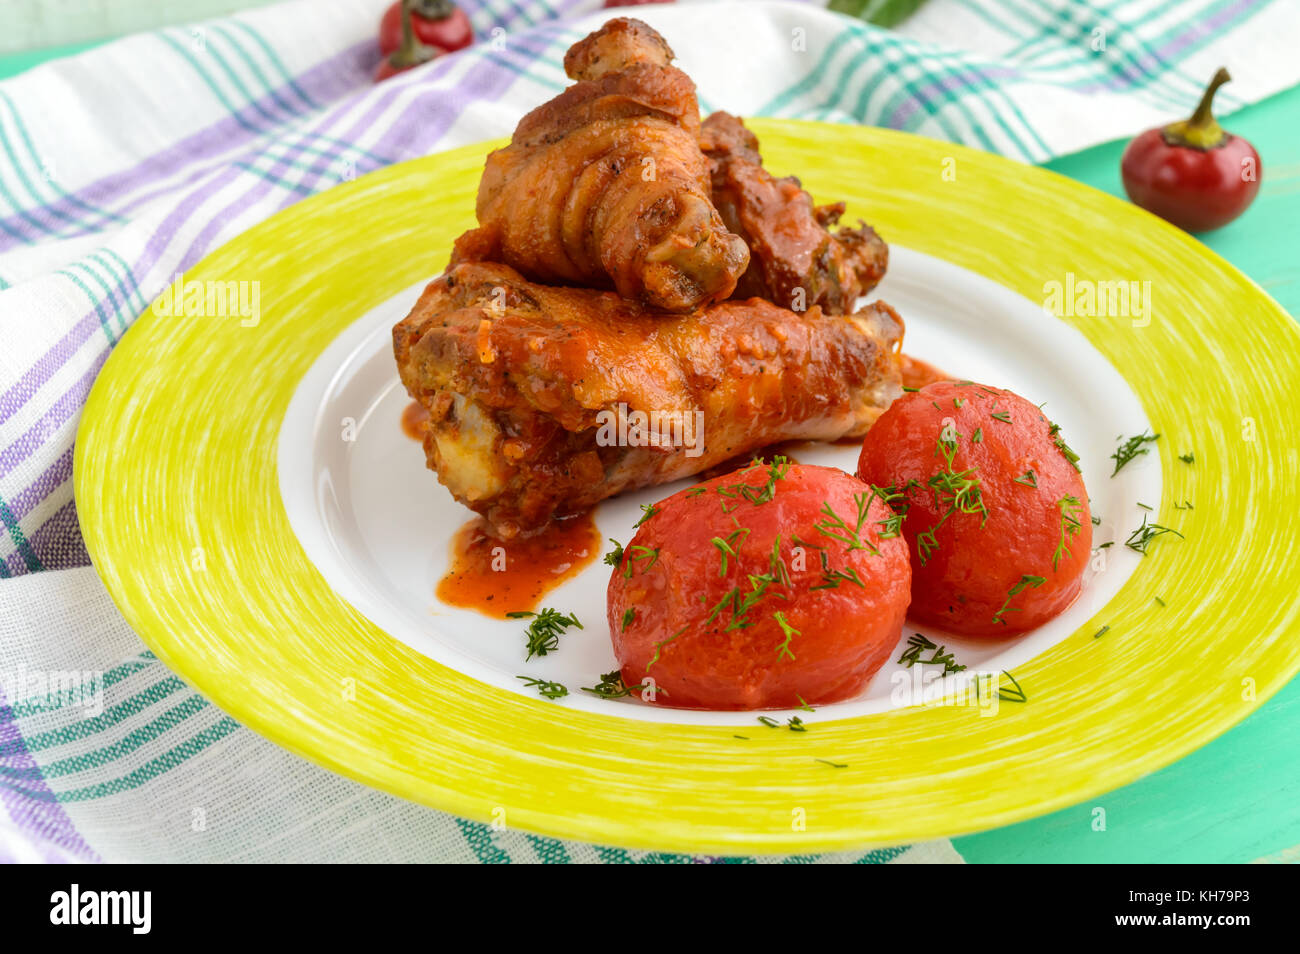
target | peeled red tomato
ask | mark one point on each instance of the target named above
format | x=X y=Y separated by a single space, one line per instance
x=771 y=625
x=997 y=521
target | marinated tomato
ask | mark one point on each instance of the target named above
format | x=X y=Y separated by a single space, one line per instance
x=995 y=512
x=776 y=585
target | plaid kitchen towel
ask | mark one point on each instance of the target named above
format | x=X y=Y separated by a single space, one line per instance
x=124 y=165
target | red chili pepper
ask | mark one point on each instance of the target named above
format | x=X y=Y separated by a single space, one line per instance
x=410 y=52
x=437 y=23
x=1192 y=173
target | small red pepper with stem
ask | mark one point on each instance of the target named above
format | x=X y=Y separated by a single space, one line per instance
x=1192 y=173
x=440 y=24
x=409 y=54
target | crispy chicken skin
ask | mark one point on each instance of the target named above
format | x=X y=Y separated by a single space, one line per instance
x=522 y=382
x=621 y=43
x=605 y=185
x=790 y=243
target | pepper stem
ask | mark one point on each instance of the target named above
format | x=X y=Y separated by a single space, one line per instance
x=1202 y=131
x=412 y=52
x=1203 y=116
x=408 y=32
x=434 y=9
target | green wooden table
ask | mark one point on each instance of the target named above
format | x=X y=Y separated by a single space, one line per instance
x=1238 y=798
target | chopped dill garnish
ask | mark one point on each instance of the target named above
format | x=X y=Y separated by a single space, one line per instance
x=696 y=491
x=832 y=764
x=545 y=629
x=1159 y=600
x=1145 y=507
x=1025 y=581
x=910 y=390
x=1101 y=632
x=801 y=542
x=741 y=603
x=615 y=556
x=961 y=492
x=794 y=724
x=835 y=527
x=777 y=470
x=1002 y=416
x=660 y=645
x=803 y=705
x=647 y=511
x=730 y=598
x=1096 y=520
x=1070 y=525
x=611 y=686
x=892 y=526
x=958 y=402
x=545 y=688
x=638 y=553
x=628 y=616
x=1054 y=432
x=978 y=436
x=778 y=571
x=833 y=578
x=1028 y=478
x=1141 y=538
x=918 y=644
x=790 y=632
x=1131 y=448
x=727 y=547
x=1186 y=505
x=1188 y=458
x=1014 y=695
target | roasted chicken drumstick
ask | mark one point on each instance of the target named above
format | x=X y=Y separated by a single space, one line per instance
x=543 y=401
x=795 y=260
x=605 y=186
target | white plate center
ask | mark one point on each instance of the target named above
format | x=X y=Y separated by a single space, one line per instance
x=378 y=525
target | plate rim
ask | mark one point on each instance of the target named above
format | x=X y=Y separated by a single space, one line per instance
x=696 y=830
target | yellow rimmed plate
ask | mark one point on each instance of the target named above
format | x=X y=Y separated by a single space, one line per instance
x=181 y=459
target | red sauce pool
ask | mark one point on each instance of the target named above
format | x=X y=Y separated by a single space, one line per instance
x=497 y=577
x=414 y=420
x=917 y=374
